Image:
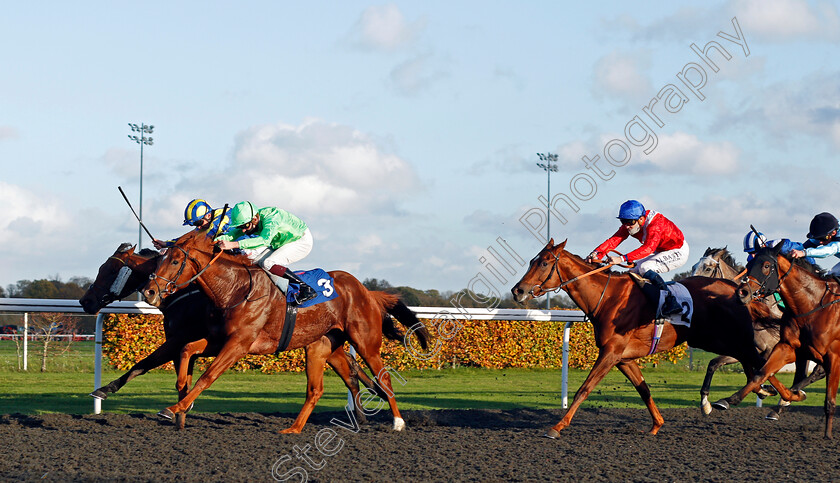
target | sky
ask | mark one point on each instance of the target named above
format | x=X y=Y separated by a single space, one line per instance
x=406 y=134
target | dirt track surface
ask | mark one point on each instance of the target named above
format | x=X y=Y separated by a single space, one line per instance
x=475 y=445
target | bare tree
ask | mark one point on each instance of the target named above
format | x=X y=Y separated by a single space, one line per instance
x=49 y=326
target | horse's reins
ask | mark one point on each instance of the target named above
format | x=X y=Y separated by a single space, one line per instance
x=821 y=306
x=584 y=275
x=174 y=283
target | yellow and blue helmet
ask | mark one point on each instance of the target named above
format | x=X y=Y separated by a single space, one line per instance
x=195 y=210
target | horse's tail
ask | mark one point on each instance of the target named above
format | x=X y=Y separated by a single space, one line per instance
x=395 y=309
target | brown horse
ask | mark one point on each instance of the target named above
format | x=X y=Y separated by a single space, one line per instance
x=811 y=332
x=623 y=320
x=188 y=316
x=719 y=263
x=254 y=313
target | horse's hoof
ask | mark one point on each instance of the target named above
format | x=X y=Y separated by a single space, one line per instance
x=706 y=408
x=722 y=405
x=290 y=431
x=166 y=414
x=97 y=394
x=399 y=424
x=767 y=390
x=801 y=394
x=772 y=416
x=552 y=434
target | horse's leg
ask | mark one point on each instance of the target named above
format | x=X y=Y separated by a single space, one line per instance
x=233 y=350
x=782 y=354
x=799 y=382
x=346 y=367
x=714 y=365
x=634 y=374
x=316 y=353
x=832 y=381
x=607 y=359
x=369 y=350
x=163 y=354
x=184 y=368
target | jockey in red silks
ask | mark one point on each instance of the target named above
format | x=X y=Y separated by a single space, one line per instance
x=663 y=247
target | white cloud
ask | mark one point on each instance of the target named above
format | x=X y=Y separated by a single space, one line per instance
x=319 y=168
x=416 y=74
x=29 y=216
x=682 y=153
x=783 y=20
x=384 y=28
x=620 y=74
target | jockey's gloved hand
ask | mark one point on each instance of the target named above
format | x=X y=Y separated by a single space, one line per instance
x=593 y=258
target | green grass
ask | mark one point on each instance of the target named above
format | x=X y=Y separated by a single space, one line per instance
x=67 y=392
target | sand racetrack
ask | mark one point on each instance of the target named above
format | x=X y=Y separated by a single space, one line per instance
x=474 y=445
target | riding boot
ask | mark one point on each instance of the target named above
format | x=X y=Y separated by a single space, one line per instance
x=306 y=292
x=671 y=306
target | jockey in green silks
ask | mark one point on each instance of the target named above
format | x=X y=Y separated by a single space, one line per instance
x=272 y=238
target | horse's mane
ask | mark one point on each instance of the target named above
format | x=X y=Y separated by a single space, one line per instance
x=144 y=252
x=200 y=241
x=811 y=268
x=726 y=258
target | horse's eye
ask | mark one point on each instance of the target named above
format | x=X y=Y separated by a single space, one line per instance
x=544 y=263
x=765 y=269
x=174 y=262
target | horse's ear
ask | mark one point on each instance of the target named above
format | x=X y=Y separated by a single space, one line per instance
x=131 y=250
x=562 y=245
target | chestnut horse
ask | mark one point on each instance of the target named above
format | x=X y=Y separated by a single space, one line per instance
x=719 y=263
x=811 y=332
x=254 y=313
x=623 y=320
x=188 y=316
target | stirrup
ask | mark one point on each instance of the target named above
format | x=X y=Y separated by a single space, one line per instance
x=670 y=309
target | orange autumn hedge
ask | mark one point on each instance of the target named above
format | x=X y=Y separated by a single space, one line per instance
x=476 y=343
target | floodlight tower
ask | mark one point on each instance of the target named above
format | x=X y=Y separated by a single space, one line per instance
x=143 y=129
x=549 y=164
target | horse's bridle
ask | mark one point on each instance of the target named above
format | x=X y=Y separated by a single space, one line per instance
x=574 y=279
x=762 y=286
x=117 y=286
x=172 y=286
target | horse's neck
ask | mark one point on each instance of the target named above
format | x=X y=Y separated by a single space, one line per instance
x=587 y=293
x=227 y=282
x=802 y=290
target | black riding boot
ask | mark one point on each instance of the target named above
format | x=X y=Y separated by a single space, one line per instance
x=306 y=292
x=671 y=306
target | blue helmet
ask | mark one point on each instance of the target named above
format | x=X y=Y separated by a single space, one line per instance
x=631 y=210
x=195 y=210
x=753 y=242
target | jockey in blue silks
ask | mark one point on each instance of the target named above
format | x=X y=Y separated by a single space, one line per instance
x=200 y=215
x=822 y=240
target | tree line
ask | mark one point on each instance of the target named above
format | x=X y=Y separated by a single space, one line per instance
x=52 y=288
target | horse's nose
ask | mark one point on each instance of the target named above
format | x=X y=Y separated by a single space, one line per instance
x=151 y=296
x=744 y=294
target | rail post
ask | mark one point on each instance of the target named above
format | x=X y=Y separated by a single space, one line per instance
x=97 y=366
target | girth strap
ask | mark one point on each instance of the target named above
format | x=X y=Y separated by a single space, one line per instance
x=288 y=328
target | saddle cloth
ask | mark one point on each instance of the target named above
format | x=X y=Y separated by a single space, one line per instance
x=320 y=281
x=685 y=301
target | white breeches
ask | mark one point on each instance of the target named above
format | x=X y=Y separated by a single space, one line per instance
x=285 y=255
x=663 y=261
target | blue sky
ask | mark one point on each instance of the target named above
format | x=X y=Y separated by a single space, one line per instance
x=405 y=134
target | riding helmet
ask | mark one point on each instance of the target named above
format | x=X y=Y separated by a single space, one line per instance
x=195 y=210
x=242 y=213
x=753 y=242
x=822 y=225
x=631 y=210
